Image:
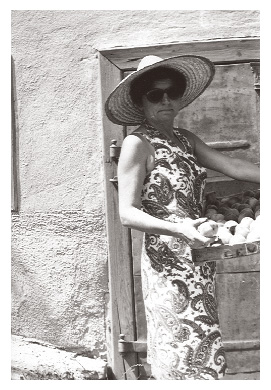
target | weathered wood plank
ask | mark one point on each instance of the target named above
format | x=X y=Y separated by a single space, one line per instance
x=250 y=263
x=141 y=327
x=236 y=144
x=226 y=112
x=238 y=300
x=243 y=361
x=144 y=368
x=119 y=254
x=242 y=376
x=228 y=187
x=226 y=252
x=233 y=345
x=220 y=51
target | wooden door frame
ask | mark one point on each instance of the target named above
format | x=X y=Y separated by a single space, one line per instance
x=113 y=64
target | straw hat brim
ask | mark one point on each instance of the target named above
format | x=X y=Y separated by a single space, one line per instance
x=198 y=71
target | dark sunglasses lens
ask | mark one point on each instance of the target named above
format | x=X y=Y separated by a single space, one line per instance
x=173 y=93
x=155 y=95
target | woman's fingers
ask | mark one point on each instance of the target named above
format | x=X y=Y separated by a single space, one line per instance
x=199 y=221
x=192 y=236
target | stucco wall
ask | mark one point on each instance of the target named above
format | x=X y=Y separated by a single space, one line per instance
x=60 y=280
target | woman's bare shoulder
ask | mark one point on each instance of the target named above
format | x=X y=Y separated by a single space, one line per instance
x=140 y=133
x=136 y=144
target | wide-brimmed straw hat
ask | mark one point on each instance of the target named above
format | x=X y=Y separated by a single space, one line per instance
x=198 y=72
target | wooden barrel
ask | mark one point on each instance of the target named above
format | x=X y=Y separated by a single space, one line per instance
x=238 y=298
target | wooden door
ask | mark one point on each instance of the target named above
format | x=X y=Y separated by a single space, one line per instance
x=227 y=117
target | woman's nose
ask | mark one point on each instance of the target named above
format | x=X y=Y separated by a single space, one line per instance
x=165 y=98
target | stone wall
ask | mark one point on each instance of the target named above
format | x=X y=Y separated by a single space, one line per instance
x=59 y=261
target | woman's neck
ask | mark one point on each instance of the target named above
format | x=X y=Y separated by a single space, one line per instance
x=164 y=127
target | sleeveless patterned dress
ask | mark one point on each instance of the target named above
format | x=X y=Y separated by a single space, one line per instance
x=184 y=339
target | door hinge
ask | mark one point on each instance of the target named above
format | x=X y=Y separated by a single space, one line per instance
x=114 y=150
x=131 y=346
x=114 y=179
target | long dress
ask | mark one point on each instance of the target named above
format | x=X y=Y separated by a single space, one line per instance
x=183 y=338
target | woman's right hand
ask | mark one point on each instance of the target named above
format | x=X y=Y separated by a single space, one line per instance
x=187 y=230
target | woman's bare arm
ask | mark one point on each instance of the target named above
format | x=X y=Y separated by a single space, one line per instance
x=233 y=167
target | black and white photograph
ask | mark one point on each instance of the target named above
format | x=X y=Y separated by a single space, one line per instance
x=135 y=194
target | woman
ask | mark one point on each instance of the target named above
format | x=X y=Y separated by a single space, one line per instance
x=161 y=177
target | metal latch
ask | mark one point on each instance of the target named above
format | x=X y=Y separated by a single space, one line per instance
x=131 y=346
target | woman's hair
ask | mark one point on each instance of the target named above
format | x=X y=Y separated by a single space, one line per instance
x=144 y=83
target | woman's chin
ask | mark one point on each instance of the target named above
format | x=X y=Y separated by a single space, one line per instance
x=166 y=115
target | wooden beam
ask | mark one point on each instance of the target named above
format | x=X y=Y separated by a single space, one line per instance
x=239 y=345
x=226 y=252
x=122 y=317
x=225 y=145
x=219 y=51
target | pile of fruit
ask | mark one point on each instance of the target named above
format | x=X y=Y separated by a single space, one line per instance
x=232 y=220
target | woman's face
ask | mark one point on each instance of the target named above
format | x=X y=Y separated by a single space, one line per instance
x=166 y=109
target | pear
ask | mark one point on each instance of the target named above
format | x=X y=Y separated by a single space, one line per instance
x=232 y=215
x=233 y=200
x=255 y=225
x=211 y=197
x=237 y=239
x=245 y=199
x=253 y=236
x=257 y=213
x=222 y=209
x=230 y=225
x=224 y=201
x=210 y=212
x=208 y=228
x=257 y=207
x=246 y=221
x=253 y=202
x=239 y=229
x=217 y=217
x=236 y=205
x=257 y=194
x=211 y=206
x=242 y=206
x=254 y=233
x=245 y=213
x=224 y=234
x=248 y=193
x=247 y=209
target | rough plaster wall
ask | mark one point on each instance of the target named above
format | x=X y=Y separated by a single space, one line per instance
x=57 y=283
x=59 y=241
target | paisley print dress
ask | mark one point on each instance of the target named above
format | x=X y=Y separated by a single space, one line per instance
x=184 y=339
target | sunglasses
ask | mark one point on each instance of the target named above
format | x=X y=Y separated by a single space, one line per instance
x=157 y=94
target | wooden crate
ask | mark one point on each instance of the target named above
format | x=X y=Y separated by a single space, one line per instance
x=238 y=298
